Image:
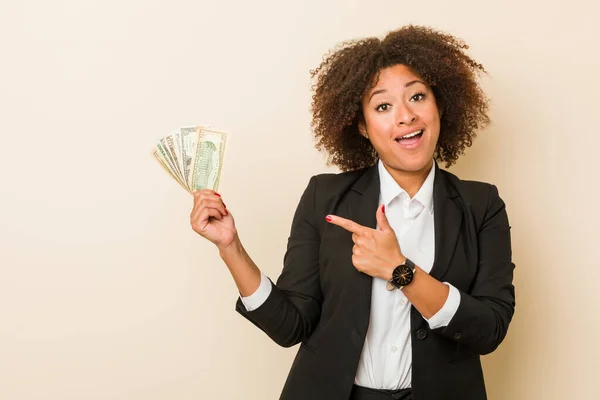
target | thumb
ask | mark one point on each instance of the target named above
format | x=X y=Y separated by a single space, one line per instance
x=382 y=220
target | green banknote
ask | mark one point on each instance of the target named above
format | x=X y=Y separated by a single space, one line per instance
x=193 y=156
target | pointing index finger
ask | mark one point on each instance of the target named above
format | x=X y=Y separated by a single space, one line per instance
x=347 y=224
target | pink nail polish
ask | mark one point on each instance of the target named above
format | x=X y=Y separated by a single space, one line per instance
x=328 y=218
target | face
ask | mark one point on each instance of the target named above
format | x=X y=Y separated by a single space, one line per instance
x=401 y=120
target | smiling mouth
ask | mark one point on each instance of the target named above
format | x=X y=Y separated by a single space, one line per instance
x=416 y=135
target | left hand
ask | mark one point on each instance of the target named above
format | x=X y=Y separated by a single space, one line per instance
x=375 y=252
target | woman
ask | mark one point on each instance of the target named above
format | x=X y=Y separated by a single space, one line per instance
x=397 y=275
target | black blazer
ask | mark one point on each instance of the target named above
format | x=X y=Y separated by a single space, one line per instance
x=323 y=302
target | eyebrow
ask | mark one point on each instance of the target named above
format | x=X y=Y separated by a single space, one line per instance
x=406 y=85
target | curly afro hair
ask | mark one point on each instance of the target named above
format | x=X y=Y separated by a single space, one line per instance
x=350 y=71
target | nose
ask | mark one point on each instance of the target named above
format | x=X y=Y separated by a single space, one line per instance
x=405 y=115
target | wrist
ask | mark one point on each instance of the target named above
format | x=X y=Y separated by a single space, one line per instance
x=235 y=247
x=398 y=260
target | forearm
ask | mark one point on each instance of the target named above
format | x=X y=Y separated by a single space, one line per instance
x=480 y=323
x=426 y=293
x=285 y=316
x=477 y=322
x=244 y=271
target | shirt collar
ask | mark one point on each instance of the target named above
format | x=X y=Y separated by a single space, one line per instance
x=389 y=189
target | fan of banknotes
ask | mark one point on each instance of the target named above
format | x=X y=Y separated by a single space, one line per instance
x=193 y=156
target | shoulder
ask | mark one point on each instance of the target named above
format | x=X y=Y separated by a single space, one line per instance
x=338 y=182
x=331 y=187
x=482 y=198
x=474 y=190
x=325 y=190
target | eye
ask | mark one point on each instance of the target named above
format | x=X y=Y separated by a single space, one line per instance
x=383 y=107
x=418 y=97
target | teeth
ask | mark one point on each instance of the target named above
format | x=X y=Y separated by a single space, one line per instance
x=411 y=134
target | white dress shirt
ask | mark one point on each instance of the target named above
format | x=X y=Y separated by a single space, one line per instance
x=386 y=358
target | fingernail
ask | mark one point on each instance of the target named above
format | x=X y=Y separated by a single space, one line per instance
x=328 y=218
x=224 y=205
x=217 y=194
x=226 y=212
x=383 y=209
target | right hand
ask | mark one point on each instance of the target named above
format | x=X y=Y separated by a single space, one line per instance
x=211 y=219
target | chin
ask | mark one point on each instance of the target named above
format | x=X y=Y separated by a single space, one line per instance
x=415 y=164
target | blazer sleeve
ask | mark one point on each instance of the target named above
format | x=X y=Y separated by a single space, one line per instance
x=292 y=310
x=482 y=318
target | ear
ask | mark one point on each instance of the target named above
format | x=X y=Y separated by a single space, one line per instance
x=362 y=128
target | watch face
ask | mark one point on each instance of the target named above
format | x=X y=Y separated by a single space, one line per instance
x=403 y=275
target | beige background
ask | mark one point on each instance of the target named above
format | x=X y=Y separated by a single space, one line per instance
x=106 y=293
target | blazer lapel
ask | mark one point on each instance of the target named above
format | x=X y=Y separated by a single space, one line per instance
x=365 y=199
x=363 y=202
x=448 y=219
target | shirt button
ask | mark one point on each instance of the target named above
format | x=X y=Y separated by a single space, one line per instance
x=421 y=334
x=457 y=336
x=394 y=349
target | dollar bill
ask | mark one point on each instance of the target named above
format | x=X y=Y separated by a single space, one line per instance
x=189 y=137
x=167 y=143
x=162 y=153
x=176 y=143
x=208 y=159
x=193 y=156
x=166 y=168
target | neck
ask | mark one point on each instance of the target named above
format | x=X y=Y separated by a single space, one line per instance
x=410 y=181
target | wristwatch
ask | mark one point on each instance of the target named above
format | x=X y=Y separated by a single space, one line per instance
x=403 y=275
